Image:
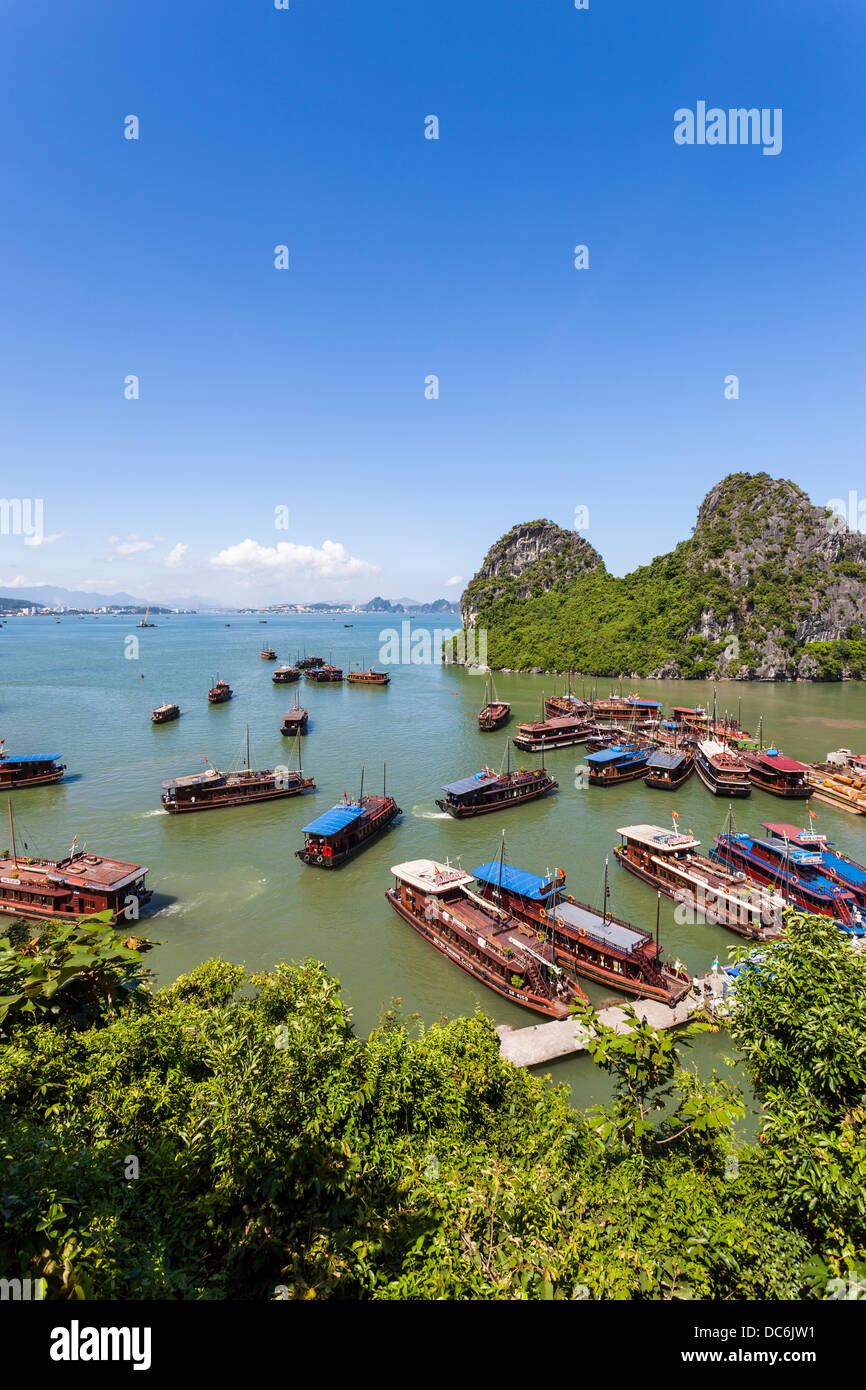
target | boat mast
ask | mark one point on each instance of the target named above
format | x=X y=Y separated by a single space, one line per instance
x=606 y=891
x=384 y=777
x=501 y=858
x=361 y=795
x=12 y=834
x=761 y=734
x=658 y=914
x=247 y=748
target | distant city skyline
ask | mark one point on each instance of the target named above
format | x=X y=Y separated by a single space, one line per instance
x=557 y=307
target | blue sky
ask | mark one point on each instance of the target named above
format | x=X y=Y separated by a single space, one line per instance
x=304 y=388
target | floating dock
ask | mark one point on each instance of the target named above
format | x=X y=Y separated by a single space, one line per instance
x=545 y=1042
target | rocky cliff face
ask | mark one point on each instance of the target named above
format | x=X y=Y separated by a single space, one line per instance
x=531 y=559
x=768 y=587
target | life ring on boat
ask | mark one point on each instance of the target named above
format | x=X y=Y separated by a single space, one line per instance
x=539 y=936
x=581 y=931
x=319 y=858
x=569 y=898
x=542 y=914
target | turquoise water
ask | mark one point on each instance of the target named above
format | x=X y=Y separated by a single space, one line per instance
x=230 y=885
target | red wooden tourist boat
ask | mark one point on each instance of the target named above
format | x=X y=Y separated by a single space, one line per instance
x=213 y=790
x=324 y=675
x=165 y=713
x=220 y=692
x=309 y=663
x=349 y=826
x=37 y=770
x=286 y=675
x=268 y=654
x=72 y=888
x=489 y=791
x=774 y=773
x=494 y=713
x=294 y=720
x=487 y=942
x=722 y=770
x=593 y=944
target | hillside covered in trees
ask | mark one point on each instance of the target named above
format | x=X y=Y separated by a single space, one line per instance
x=768 y=587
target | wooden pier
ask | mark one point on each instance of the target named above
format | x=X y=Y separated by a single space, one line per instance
x=545 y=1042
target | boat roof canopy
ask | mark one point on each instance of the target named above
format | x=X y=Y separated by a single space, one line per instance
x=471 y=784
x=195 y=779
x=771 y=758
x=518 y=881
x=656 y=837
x=614 y=754
x=611 y=933
x=666 y=758
x=330 y=822
x=33 y=758
x=429 y=876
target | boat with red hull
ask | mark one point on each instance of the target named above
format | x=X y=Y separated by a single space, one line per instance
x=213 y=790
x=795 y=871
x=487 y=791
x=36 y=770
x=70 y=889
x=268 y=654
x=286 y=675
x=324 y=675
x=309 y=663
x=294 y=720
x=668 y=768
x=669 y=861
x=220 y=692
x=493 y=713
x=774 y=773
x=348 y=827
x=558 y=731
x=595 y=945
x=485 y=941
x=165 y=713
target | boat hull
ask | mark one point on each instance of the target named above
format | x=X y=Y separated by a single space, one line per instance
x=501 y=803
x=236 y=799
x=719 y=788
x=42 y=779
x=476 y=968
x=680 y=895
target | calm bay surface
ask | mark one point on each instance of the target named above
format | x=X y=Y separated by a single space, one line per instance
x=231 y=886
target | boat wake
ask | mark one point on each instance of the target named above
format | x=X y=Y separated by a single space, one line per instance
x=158 y=812
x=420 y=814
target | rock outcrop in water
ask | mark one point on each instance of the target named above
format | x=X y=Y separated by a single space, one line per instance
x=768 y=587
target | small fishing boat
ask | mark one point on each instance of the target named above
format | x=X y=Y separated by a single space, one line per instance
x=611 y=766
x=494 y=713
x=294 y=720
x=308 y=663
x=165 y=713
x=488 y=791
x=484 y=940
x=36 y=770
x=268 y=654
x=324 y=675
x=722 y=770
x=143 y=621
x=670 y=862
x=286 y=675
x=348 y=827
x=587 y=942
x=70 y=889
x=220 y=692
x=212 y=789
x=370 y=677
x=669 y=768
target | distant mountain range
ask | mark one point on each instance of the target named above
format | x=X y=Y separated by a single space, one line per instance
x=52 y=596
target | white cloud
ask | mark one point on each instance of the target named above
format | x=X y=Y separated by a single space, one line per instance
x=43 y=540
x=331 y=561
x=19 y=582
x=453 y=581
x=129 y=545
x=174 y=558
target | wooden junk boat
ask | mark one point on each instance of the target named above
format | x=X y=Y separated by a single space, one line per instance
x=619 y=709
x=618 y=763
x=774 y=773
x=349 y=826
x=493 y=713
x=286 y=675
x=324 y=675
x=370 y=677
x=37 y=770
x=668 y=768
x=795 y=871
x=309 y=663
x=569 y=703
x=722 y=770
x=488 y=791
x=668 y=861
x=552 y=731
x=294 y=720
x=839 y=868
x=165 y=713
x=219 y=692
x=211 y=790
x=594 y=944
x=268 y=654
x=486 y=941
x=69 y=889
